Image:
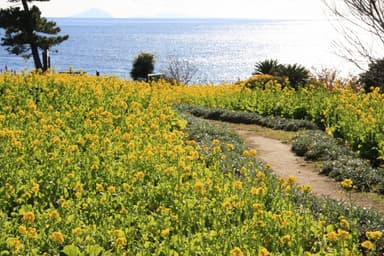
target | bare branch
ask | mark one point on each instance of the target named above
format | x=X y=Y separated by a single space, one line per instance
x=356 y=19
x=180 y=70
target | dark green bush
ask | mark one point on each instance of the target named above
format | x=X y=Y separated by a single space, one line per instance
x=374 y=76
x=143 y=65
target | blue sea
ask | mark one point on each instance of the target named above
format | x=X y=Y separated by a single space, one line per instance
x=223 y=50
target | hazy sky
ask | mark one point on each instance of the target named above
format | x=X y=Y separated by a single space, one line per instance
x=259 y=9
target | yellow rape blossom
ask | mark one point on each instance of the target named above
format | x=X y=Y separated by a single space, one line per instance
x=78 y=195
x=35 y=187
x=244 y=170
x=57 y=236
x=140 y=175
x=121 y=242
x=260 y=175
x=257 y=206
x=264 y=252
x=54 y=214
x=31 y=105
x=71 y=175
x=227 y=204
x=285 y=240
x=259 y=191
x=332 y=236
x=230 y=147
x=111 y=189
x=249 y=153
x=344 y=235
x=77 y=231
x=216 y=149
x=236 y=252
x=22 y=229
x=99 y=187
x=28 y=217
x=347 y=183
x=73 y=148
x=36 y=143
x=305 y=188
x=165 y=232
x=343 y=222
x=118 y=232
x=32 y=233
x=238 y=184
x=373 y=235
x=291 y=180
x=14 y=243
x=79 y=187
x=199 y=187
x=368 y=245
x=126 y=187
x=56 y=140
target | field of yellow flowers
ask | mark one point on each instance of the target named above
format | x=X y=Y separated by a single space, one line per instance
x=355 y=117
x=101 y=166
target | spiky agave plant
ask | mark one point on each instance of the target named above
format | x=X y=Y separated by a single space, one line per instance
x=296 y=74
x=270 y=67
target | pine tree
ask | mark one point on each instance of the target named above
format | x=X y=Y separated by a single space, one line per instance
x=27 y=32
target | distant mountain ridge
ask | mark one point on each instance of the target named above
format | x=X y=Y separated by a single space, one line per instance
x=93 y=13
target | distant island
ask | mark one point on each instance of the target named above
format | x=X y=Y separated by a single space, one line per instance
x=93 y=13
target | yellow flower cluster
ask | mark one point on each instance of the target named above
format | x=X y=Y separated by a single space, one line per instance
x=347 y=184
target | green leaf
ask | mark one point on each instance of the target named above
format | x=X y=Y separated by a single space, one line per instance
x=71 y=250
x=94 y=250
x=330 y=228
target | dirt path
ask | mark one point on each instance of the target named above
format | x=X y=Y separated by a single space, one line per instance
x=285 y=163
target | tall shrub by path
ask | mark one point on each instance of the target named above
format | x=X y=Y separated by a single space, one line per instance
x=143 y=65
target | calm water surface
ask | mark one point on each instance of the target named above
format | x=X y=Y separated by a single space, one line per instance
x=223 y=50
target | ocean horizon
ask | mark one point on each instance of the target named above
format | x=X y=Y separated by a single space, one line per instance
x=223 y=50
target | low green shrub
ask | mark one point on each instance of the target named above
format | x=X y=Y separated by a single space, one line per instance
x=276 y=123
x=364 y=177
x=339 y=162
x=315 y=145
